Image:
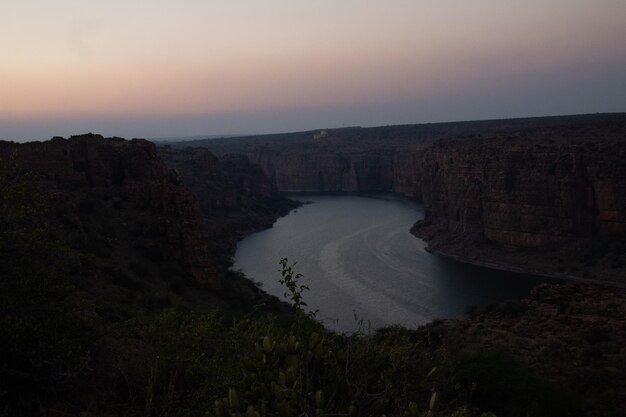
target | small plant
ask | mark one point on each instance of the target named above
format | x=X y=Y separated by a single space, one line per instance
x=290 y=279
x=362 y=328
x=284 y=376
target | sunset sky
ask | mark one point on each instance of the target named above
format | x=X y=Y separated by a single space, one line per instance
x=157 y=68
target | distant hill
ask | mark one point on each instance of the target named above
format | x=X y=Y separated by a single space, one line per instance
x=175 y=139
x=383 y=136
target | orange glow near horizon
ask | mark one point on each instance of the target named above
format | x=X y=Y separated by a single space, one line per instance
x=160 y=57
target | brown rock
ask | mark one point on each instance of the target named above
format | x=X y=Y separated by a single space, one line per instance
x=108 y=172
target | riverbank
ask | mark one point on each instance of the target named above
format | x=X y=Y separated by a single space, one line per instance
x=554 y=263
x=357 y=256
x=548 y=192
x=112 y=306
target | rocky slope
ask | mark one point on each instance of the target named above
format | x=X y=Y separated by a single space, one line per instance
x=105 y=259
x=543 y=195
x=134 y=218
x=138 y=239
x=235 y=195
x=549 y=201
x=118 y=202
x=570 y=333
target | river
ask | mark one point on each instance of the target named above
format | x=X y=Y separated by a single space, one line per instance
x=364 y=268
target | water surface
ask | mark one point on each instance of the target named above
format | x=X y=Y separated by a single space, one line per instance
x=358 y=258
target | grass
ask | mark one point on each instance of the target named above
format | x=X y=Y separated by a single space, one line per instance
x=112 y=345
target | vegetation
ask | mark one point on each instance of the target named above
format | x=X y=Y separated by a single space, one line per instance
x=68 y=351
x=43 y=329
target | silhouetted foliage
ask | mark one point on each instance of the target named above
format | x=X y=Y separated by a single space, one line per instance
x=139 y=348
x=41 y=329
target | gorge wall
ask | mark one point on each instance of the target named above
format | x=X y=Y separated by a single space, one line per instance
x=541 y=195
x=235 y=196
x=108 y=267
x=547 y=201
x=135 y=230
x=131 y=219
x=116 y=200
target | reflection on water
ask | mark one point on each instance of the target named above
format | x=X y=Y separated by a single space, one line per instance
x=358 y=258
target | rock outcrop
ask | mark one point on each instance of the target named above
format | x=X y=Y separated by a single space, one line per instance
x=135 y=219
x=385 y=158
x=544 y=195
x=235 y=196
x=548 y=201
x=119 y=200
x=570 y=333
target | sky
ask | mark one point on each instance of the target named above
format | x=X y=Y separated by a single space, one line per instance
x=163 y=68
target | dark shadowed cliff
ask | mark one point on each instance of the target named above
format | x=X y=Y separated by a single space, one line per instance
x=117 y=201
x=235 y=195
x=105 y=259
x=137 y=218
x=547 y=200
x=109 y=285
x=367 y=159
x=542 y=195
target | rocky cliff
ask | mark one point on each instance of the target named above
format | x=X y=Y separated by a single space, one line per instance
x=547 y=201
x=385 y=158
x=103 y=332
x=543 y=195
x=235 y=196
x=118 y=201
x=107 y=264
x=136 y=217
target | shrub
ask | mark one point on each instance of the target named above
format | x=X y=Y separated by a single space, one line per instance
x=45 y=335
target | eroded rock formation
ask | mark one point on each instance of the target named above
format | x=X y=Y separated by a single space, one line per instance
x=235 y=195
x=126 y=186
x=548 y=201
x=544 y=195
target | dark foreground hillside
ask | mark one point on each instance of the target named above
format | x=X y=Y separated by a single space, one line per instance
x=97 y=234
x=115 y=301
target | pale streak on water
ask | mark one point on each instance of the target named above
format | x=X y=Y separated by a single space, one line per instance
x=358 y=257
x=387 y=308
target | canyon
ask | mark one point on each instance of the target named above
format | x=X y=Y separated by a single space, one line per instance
x=144 y=238
x=132 y=218
x=234 y=195
x=541 y=195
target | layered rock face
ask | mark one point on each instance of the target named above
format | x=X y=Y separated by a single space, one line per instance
x=119 y=201
x=386 y=158
x=530 y=193
x=552 y=194
x=138 y=218
x=542 y=195
x=321 y=172
x=235 y=195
